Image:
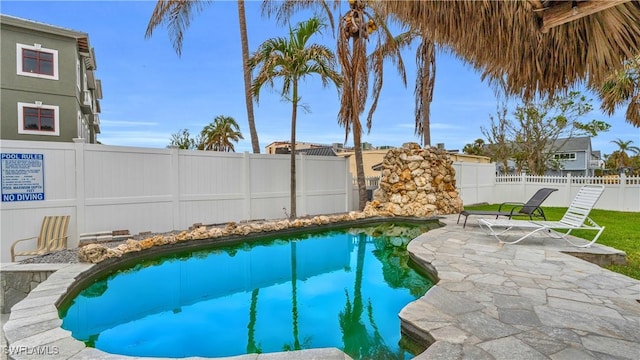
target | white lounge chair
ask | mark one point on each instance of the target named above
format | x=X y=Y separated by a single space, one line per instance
x=576 y=218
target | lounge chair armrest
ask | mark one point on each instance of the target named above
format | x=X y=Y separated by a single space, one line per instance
x=514 y=204
x=21 y=240
x=514 y=210
x=48 y=244
x=13 y=246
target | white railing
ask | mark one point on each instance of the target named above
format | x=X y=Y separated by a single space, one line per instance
x=372 y=182
x=569 y=179
x=622 y=193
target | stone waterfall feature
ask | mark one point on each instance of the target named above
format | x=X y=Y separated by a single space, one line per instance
x=416 y=182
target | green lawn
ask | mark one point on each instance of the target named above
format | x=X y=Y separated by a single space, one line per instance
x=622 y=232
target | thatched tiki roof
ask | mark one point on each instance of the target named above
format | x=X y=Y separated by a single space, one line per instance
x=535 y=46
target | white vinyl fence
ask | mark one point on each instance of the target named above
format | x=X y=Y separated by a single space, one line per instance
x=107 y=188
x=477 y=183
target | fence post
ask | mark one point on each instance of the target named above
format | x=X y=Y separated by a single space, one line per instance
x=348 y=185
x=79 y=149
x=302 y=185
x=569 y=188
x=621 y=190
x=246 y=182
x=175 y=188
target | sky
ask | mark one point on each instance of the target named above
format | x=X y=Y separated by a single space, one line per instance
x=150 y=93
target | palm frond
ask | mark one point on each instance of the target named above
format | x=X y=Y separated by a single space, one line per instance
x=177 y=16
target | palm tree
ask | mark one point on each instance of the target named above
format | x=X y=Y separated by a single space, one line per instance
x=220 y=134
x=425 y=78
x=354 y=30
x=620 y=156
x=290 y=60
x=177 y=15
x=623 y=86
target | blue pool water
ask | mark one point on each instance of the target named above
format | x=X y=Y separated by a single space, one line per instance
x=339 y=289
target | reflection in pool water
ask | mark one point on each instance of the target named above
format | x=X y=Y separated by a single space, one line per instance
x=339 y=289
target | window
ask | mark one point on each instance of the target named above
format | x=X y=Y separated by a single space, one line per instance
x=36 y=61
x=38 y=119
x=564 y=156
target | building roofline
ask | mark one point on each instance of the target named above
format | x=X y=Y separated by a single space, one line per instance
x=40 y=26
x=82 y=38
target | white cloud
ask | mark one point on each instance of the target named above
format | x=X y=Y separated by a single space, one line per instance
x=443 y=126
x=126 y=123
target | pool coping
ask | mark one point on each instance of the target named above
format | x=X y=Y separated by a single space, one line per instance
x=466 y=300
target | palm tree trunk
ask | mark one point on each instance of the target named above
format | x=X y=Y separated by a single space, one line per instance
x=359 y=55
x=255 y=144
x=294 y=113
x=362 y=186
x=428 y=60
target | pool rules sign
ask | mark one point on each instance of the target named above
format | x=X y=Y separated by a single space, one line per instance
x=22 y=177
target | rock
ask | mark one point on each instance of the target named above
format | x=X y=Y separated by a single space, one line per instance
x=146 y=243
x=133 y=245
x=411 y=146
x=113 y=252
x=92 y=253
x=416 y=182
x=405 y=175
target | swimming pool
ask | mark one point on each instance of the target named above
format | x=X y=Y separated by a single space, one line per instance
x=339 y=288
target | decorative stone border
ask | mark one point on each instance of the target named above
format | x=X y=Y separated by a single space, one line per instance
x=204 y=236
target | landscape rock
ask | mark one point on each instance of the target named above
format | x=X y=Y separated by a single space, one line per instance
x=92 y=253
x=415 y=182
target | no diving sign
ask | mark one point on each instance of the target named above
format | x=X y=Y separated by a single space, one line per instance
x=22 y=177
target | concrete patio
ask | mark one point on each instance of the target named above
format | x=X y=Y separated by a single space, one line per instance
x=525 y=301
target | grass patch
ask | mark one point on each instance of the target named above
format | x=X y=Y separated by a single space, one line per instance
x=621 y=233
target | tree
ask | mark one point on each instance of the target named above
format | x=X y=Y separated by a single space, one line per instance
x=500 y=147
x=355 y=27
x=290 y=60
x=536 y=127
x=182 y=140
x=425 y=78
x=177 y=15
x=476 y=148
x=220 y=134
x=354 y=30
x=620 y=158
x=623 y=87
